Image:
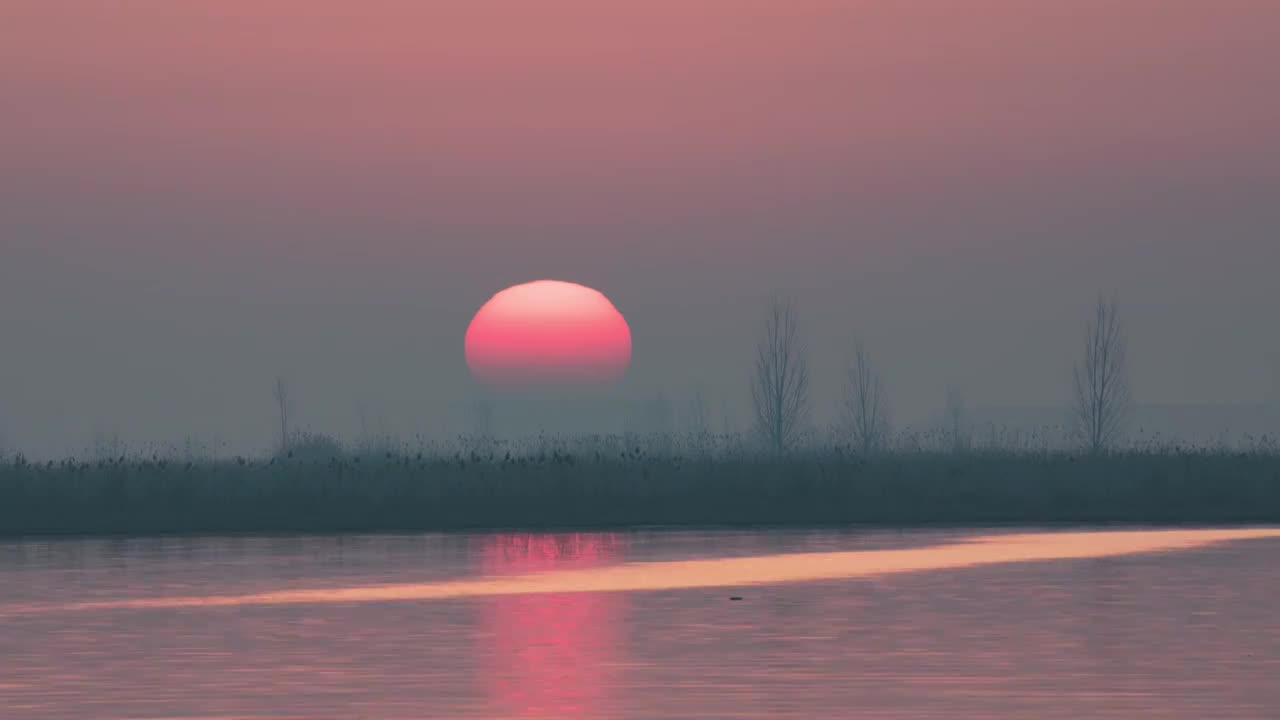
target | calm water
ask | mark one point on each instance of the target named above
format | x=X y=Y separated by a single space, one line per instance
x=1191 y=632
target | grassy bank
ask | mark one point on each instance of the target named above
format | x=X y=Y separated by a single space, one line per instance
x=470 y=491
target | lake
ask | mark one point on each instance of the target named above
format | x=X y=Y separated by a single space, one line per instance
x=869 y=624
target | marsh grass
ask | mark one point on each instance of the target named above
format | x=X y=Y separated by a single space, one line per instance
x=619 y=481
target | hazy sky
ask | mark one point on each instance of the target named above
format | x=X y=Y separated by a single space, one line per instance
x=196 y=196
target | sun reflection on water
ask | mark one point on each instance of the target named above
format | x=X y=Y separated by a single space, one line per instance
x=551 y=655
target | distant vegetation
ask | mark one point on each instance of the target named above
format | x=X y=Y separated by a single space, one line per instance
x=783 y=472
x=618 y=481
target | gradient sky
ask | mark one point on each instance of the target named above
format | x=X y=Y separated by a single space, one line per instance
x=196 y=196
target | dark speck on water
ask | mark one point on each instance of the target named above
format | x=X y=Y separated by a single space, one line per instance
x=1180 y=635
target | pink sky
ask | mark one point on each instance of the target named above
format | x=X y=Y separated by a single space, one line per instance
x=570 y=107
x=210 y=192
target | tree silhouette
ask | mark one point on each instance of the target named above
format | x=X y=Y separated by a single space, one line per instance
x=780 y=388
x=956 y=422
x=281 y=395
x=1101 y=381
x=866 y=408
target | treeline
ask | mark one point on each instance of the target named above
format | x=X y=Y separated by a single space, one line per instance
x=611 y=483
x=1101 y=401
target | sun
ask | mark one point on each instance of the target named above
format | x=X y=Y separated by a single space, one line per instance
x=545 y=333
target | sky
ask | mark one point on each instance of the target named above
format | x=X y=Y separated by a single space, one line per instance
x=198 y=196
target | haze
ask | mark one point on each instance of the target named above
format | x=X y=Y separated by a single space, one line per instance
x=197 y=197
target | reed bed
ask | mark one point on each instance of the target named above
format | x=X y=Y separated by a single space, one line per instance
x=619 y=483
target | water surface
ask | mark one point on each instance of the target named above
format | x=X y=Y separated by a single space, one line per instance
x=1176 y=624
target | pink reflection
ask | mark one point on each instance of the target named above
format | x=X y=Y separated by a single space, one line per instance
x=550 y=655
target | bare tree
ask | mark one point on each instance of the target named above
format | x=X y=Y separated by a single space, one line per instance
x=866 y=409
x=1101 y=381
x=780 y=388
x=696 y=420
x=956 y=421
x=281 y=395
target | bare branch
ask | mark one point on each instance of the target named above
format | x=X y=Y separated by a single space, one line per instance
x=866 y=408
x=780 y=388
x=1100 y=381
x=281 y=395
x=957 y=422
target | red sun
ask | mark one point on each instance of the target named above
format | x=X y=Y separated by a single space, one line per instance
x=548 y=332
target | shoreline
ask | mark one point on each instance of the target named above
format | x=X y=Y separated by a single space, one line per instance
x=832 y=490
